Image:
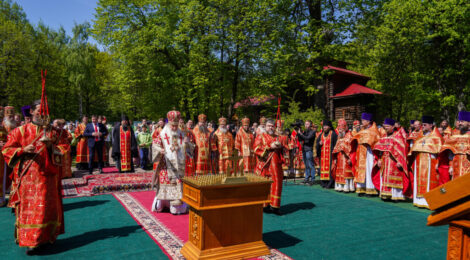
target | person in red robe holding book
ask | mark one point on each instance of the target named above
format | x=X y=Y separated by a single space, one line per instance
x=36 y=193
x=268 y=149
x=390 y=176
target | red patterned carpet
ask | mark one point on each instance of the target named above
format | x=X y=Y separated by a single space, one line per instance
x=108 y=182
x=168 y=231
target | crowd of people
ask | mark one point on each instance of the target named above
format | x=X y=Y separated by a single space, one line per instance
x=383 y=160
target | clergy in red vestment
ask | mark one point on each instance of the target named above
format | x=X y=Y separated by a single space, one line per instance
x=284 y=139
x=202 y=150
x=244 y=145
x=188 y=134
x=9 y=122
x=82 y=145
x=343 y=155
x=124 y=146
x=390 y=175
x=298 y=164
x=457 y=149
x=424 y=156
x=36 y=193
x=268 y=149
x=223 y=143
x=64 y=140
x=3 y=166
x=363 y=142
x=156 y=132
x=325 y=144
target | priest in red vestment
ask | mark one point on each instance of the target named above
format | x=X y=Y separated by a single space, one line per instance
x=363 y=142
x=268 y=149
x=188 y=134
x=343 y=155
x=390 y=176
x=82 y=145
x=124 y=146
x=223 y=143
x=202 y=150
x=457 y=149
x=64 y=140
x=244 y=145
x=9 y=122
x=36 y=193
x=325 y=144
x=424 y=156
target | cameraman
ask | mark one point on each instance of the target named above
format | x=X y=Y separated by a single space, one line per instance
x=308 y=138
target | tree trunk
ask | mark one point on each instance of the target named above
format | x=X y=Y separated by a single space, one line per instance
x=234 y=83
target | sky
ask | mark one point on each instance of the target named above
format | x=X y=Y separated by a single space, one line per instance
x=56 y=13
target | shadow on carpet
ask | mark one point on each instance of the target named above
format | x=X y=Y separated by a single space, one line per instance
x=83 y=204
x=279 y=239
x=74 y=242
x=294 y=207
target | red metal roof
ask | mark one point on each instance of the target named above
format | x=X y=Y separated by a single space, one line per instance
x=356 y=89
x=345 y=71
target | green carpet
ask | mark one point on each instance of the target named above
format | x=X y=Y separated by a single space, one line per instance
x=324 y=224
x=317 y=224
x=95 y=228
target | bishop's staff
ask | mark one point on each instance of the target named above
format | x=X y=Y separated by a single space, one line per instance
x=44 y=123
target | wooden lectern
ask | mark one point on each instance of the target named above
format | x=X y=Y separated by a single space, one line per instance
x=225 y=220
x=451 y=203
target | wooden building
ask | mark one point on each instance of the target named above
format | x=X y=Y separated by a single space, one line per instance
x=346 y=95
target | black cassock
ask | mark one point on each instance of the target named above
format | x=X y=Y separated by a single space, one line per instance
x=116 y=151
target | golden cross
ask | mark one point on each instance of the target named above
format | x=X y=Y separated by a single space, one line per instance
x=236 y=162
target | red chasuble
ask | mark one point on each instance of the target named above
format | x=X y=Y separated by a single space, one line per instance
x=36 y=191
x=155 y=135
x=363 y=139
x=223 y=143
x=125 y=149
x=424 y=152
x=325 y=157
x=64 y=146
x=342 y=152
x=82 y=145
x=190 y=167
x=202 y=152
x=391 y=150
x=459 y=145
x=270 y=164
x=244 y=144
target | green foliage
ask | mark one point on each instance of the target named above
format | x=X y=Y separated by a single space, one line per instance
x=294 y=113
x=204 y=56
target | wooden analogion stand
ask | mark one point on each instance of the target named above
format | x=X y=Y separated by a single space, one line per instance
x=225 y=217
x=451 y=203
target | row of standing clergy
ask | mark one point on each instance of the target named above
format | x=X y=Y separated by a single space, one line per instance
x=392 y=163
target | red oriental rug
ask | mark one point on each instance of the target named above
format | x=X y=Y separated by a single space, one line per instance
x=170 y=232
x=108 y=182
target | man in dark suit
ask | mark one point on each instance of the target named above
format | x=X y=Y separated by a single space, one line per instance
x=95 y=132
